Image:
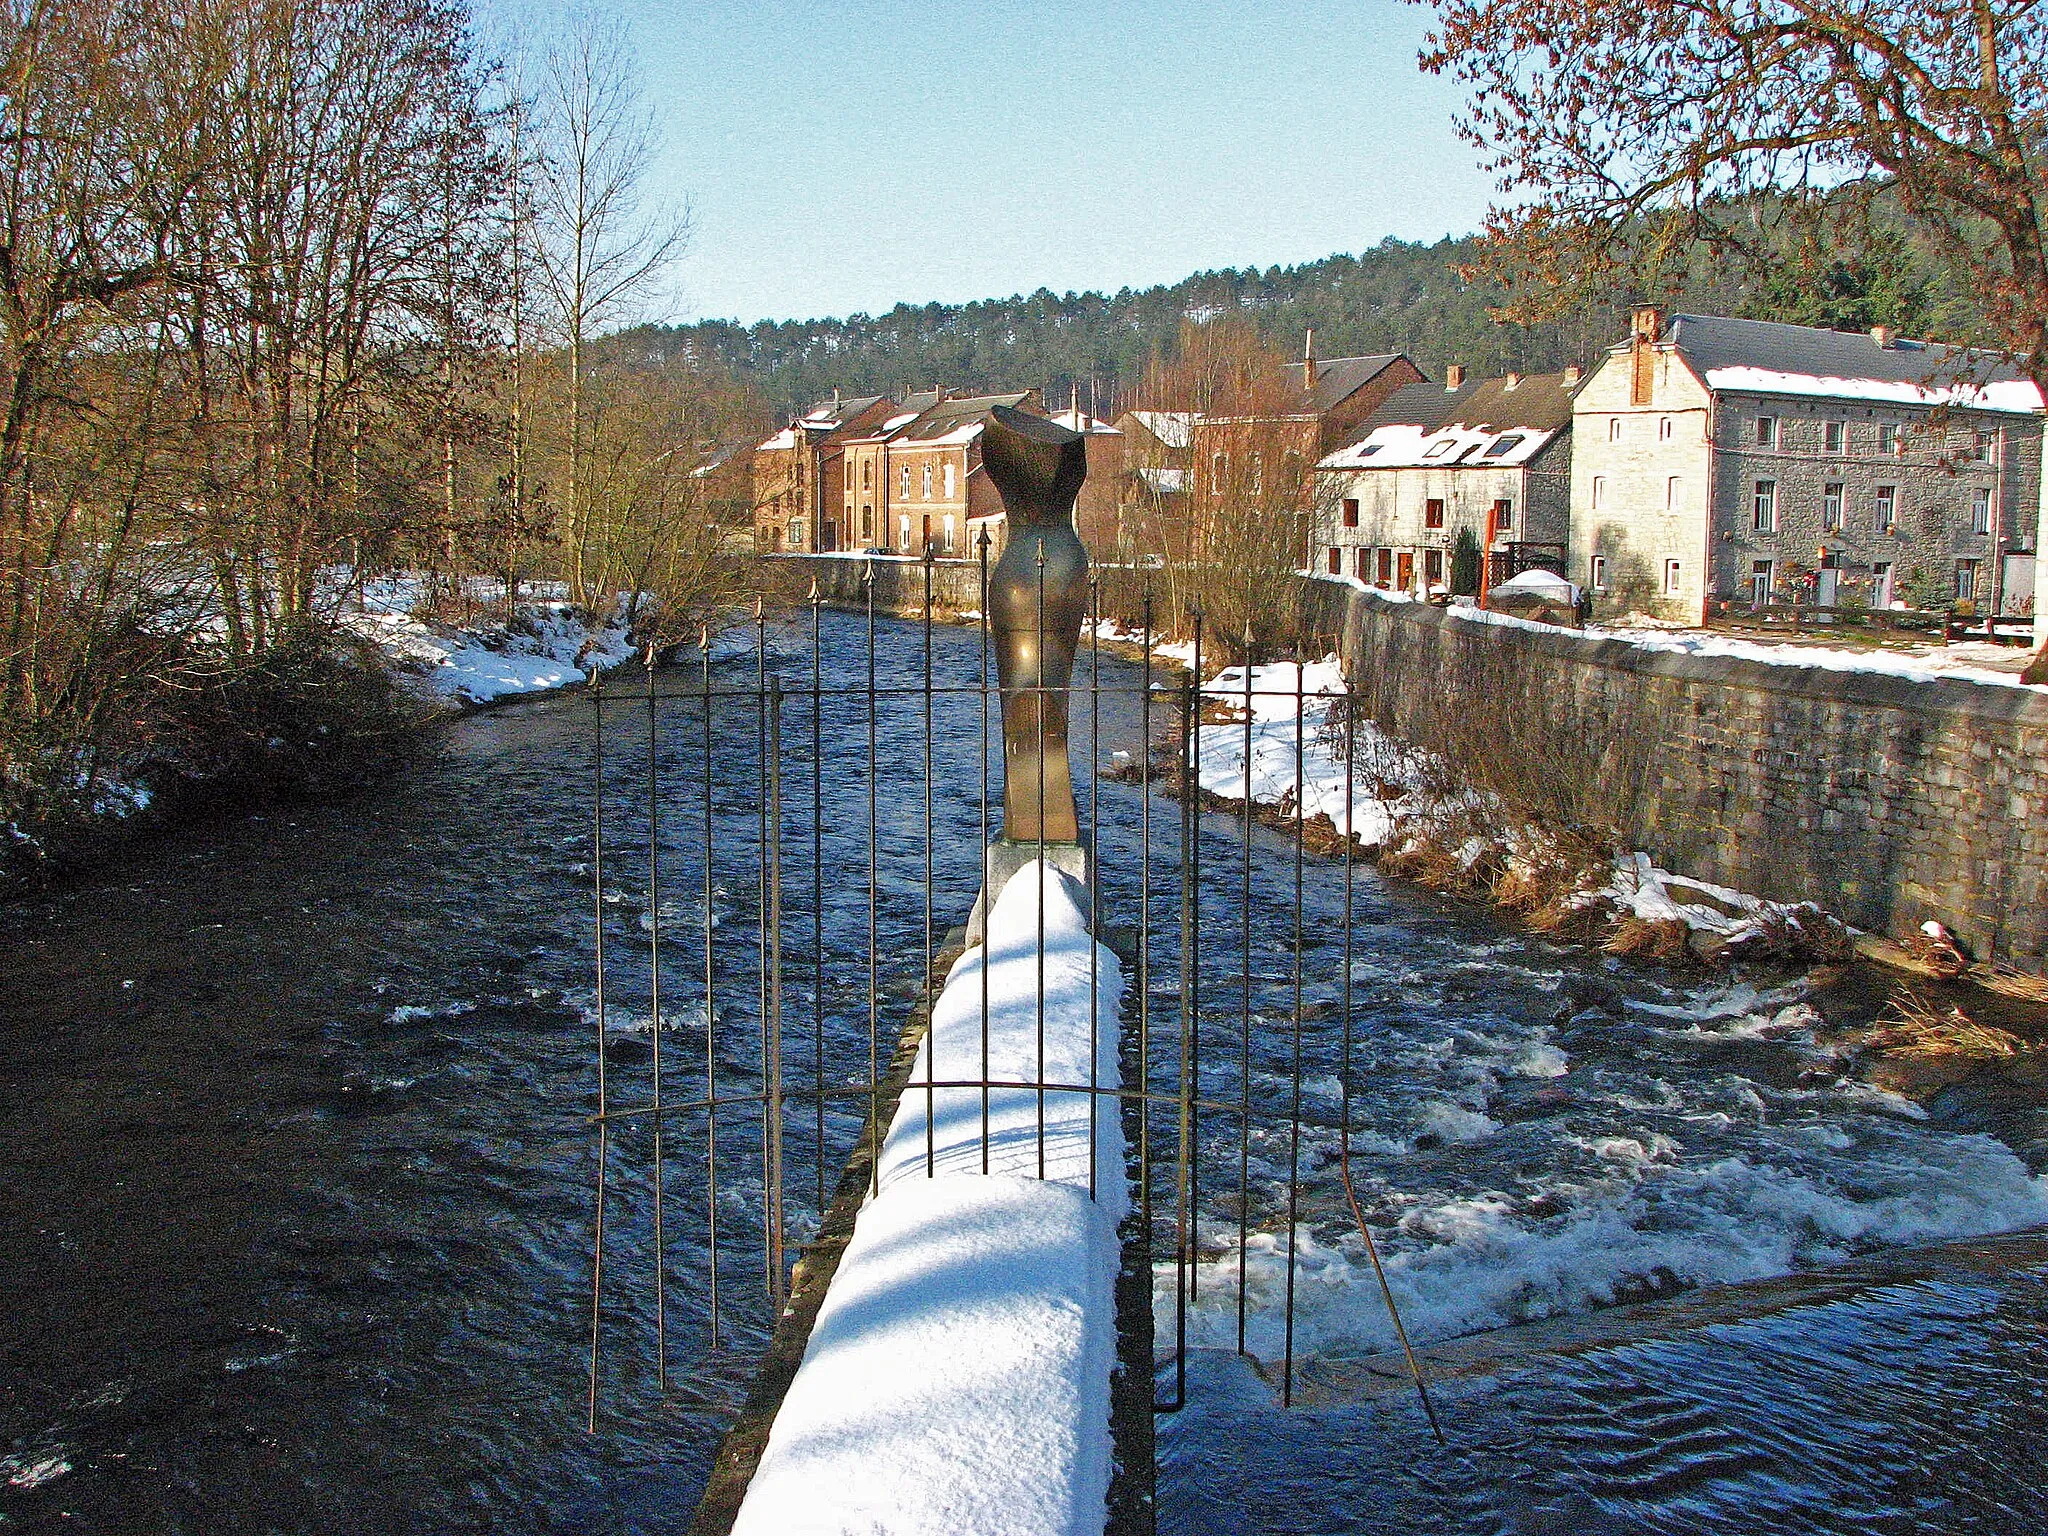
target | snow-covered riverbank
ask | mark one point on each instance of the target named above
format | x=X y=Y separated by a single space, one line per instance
x=550 y=644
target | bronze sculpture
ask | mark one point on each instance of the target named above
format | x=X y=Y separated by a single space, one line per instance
x=1037 y=597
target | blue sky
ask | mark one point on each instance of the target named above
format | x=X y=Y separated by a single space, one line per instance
x=844 y=155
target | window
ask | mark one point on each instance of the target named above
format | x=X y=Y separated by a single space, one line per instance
x=1614 y=429
x=1887 y=508
x=1350 y=511
x=1432 y=568
x=903 y=484
x=1834 y=434
x=1980 y=510
x=1503 y=515
x=867 y=524
x=1438 y=449
x=1767 y=431
x=903 y=530
x=1358 y=566
x=1218 y=467
x=1599 y=492
x=1672 y=572
x=926 y=488
x=1887 y=437
x=867 y=468
x=1596 y=576
x=1336 y=561
x=1762 y=577
x=1881 y=584
x=849 y=474
x=949 y=481
x=1765 y=507
x=1831 y=507
x=1674 y=492
x=1989 y=445
x=1386 y=558
x=947 y=538
x=1966 y=581
x=796 y=533
x=1503 y=446
x=1433 y=513
x=1663 y=429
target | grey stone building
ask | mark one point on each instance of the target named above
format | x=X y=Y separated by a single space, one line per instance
x=1740 y=461
x=1492 y=458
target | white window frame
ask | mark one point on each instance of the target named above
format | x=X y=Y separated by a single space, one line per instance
x=1966 y=568
x=1596 y=575
x=1980 y=510
x=1614 y=429
x=1674 y=577
x=1767 y=431
x=1831 y=506
x=1664 y=429
x=1763 y=507
x=1599 y=492
x=949 y=480
x=1835 y=436
x=1884 y=502
x=1766 y=572
x=1674 y=492
x=1887 y=437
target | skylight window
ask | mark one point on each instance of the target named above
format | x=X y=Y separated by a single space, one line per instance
x=1438 y=450
x=1503 y=446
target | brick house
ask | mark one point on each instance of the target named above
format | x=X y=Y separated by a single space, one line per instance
x=1491 y=458
x=1721 y=460
x=915 y=478
x=799 y=480
x=1241 y=457
x=1095 y=510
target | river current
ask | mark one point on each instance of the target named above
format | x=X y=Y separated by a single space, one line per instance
x=296 y=1228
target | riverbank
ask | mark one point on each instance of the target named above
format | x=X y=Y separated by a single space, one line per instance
x=306 y=722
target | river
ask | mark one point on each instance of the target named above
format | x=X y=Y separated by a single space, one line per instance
x=297 y=1225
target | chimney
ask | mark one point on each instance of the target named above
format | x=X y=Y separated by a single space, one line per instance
x=1454 y=378
x=835 y=399
x=938 y=395
x=1513 y=380
x=1308 y=361
x=1646 y=324
x=1572 y=376
x=1882 y=335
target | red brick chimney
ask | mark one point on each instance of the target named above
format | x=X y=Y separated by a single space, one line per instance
x=1882 y=335
x=1454 y=378
x=1308 y=362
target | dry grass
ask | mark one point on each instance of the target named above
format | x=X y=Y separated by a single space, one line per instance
x=1662 y=938
x=1916 y=1029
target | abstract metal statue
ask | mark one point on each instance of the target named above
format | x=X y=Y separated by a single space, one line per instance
x=1037 y=596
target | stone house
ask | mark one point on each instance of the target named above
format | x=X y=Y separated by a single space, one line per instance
x=1740 y=461
x=1491 y=458
x=799 y=479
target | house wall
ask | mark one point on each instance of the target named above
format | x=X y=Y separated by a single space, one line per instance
x=918 y=505
x=1888 y=801
x=1628 y=471
x=1934 y=474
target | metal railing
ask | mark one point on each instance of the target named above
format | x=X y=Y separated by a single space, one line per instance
x=850 y=925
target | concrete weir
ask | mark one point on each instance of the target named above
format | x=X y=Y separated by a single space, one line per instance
x=948 y=1359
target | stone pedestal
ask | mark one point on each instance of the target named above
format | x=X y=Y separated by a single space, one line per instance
x=1005 y=858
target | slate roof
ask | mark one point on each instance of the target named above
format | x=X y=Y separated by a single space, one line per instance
x=943 y=420
x=828 y=414
x=1338 y=378
x=1719 y=341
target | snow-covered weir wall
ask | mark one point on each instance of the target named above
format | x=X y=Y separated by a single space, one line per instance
x=1887 y=797
x=957 y=1379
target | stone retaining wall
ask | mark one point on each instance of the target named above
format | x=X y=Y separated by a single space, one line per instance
x=1886 y=800
x=899 y=582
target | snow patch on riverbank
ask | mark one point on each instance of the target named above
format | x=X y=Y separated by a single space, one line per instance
x=551 y=645
x=957 y=1381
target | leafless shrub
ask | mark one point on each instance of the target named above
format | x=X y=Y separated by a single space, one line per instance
x=1915 y=1028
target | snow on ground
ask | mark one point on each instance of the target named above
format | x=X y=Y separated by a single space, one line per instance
x=1273 y=720
x=551 y=648
x=958 y=1378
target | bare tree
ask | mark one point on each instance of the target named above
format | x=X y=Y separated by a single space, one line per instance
x=1623 y=134
x=600 y=248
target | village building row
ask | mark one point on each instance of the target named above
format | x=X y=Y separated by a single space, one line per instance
x=1704 y=462
x=1708 y=462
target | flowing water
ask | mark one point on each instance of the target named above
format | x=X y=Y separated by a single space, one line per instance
x=296 y=1228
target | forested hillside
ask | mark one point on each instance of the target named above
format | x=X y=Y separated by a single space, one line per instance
x=1396 y=297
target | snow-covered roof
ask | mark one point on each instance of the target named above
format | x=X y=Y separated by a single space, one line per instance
x=1546 y=583
x=903 y=419
x=785 y=439
x=2015 y=396
x=1168 y=482
x=1767 y=357
x=1403 y=446
x=1081 y=421
x=1176 y=429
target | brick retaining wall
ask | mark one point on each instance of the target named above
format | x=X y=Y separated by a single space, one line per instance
x=1888 y=801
